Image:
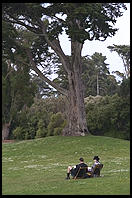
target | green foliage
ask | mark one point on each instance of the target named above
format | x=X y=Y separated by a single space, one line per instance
x=124 y=89
x=41 y=119
x=9 y=34
x=96 y=66
x=56 y=124
x=6 y=99
x=91 y=21
x=124 y=52
x=30 y=133
x=118 y=134
x=41 y=133
x=83 y=20
x=19 y=133
x=17 y=89
x=42 y=129
x=108 y=115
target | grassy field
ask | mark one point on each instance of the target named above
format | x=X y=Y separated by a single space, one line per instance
x=38 y=167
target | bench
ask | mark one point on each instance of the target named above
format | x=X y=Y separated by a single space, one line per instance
x=96 y=170
x=83 y=171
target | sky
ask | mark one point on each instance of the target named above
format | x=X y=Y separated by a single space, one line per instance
x=122 y=37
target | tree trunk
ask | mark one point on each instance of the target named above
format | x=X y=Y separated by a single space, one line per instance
x=5 y=131
x=77 y=125
x=97 y=85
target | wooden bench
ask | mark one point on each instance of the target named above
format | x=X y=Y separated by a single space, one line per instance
x=83 y=171
x=96 y=170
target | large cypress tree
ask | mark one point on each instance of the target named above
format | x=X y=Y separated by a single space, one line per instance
x=80 y=21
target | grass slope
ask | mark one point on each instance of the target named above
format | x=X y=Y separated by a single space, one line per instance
x=38 y=167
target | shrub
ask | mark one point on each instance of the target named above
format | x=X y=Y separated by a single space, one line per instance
x=30 y=133
x=117 y=134
x=19 y=133
x=41 y=133
x=42 y=129
x=56 y=125
x=108 y=115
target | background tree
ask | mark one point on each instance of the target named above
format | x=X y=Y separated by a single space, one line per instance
x=124 y=52
x=117 y=111
x=17 y=93
x=17 y=89
x=124 y=89
x=82 y=21
x=96 y=76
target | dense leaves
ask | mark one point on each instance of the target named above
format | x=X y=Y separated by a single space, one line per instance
x=46 y=117
x=109 y=115
x=82 y=20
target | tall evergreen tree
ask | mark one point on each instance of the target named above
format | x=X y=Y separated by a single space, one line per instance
x=81 y=21
x=124 y=52
x=17 y=89
x=96 y=76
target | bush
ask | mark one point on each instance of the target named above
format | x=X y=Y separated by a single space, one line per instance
x=42 y=130
x=19 y=133
x=108 y=115
x=56 y=125
x=34 y=121
x=30 y=133
x=117 y=134
x=41 y=133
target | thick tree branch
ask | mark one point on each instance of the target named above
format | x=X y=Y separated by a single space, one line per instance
x=55 y=45
x=57 y=87
x=16 y=21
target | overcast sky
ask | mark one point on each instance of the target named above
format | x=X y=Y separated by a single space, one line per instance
x=122 y=37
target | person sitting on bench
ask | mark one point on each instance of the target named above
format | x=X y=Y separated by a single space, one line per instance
x=96 y=161
x=74 y=170
x=92 y=169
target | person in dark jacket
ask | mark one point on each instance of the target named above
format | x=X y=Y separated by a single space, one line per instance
x=74 y=170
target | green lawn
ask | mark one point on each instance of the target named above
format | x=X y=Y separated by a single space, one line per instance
x=38 y=167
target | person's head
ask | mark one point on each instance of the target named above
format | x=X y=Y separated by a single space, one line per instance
x=96 y=158
x=81 y=159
